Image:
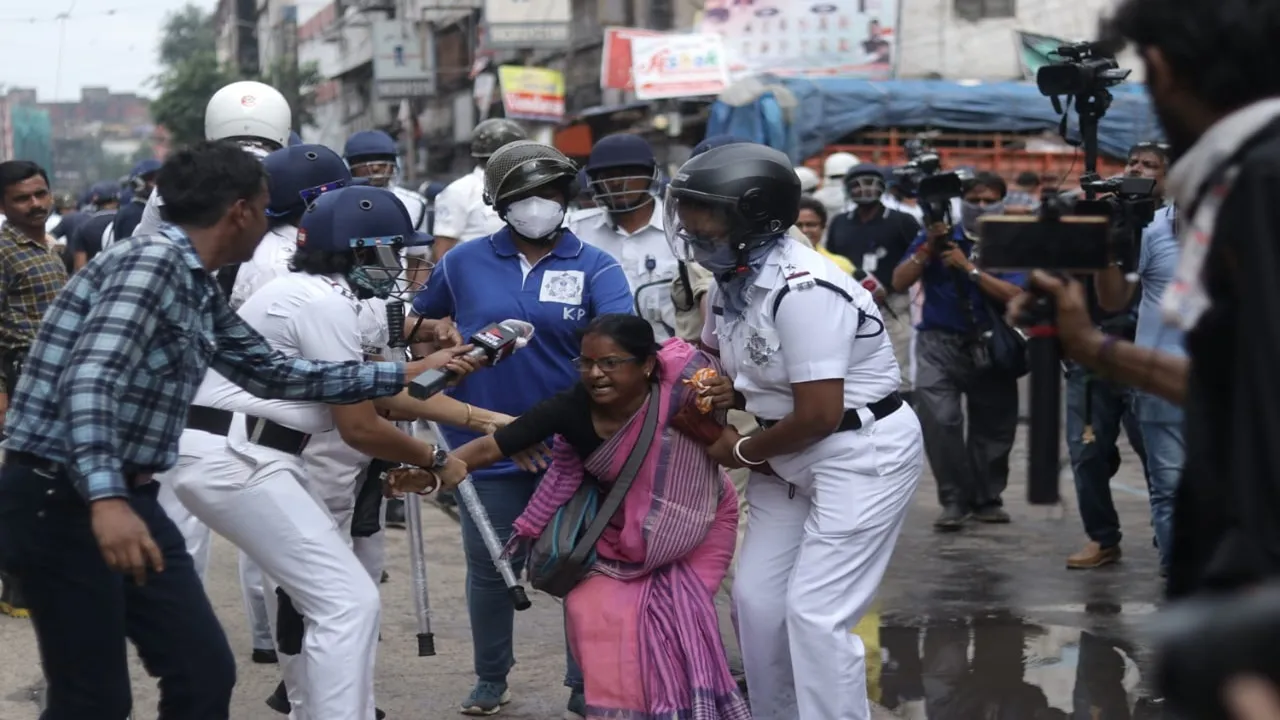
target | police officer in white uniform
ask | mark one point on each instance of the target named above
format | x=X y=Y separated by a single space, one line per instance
x=461 y=212
x=250 y=113
x=839 y=455
x=623 y=176
x=328 y=620
x=374 y=156
x=832 y=193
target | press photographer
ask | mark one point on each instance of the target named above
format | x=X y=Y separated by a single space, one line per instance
x=957 y=372
x=1213 y=72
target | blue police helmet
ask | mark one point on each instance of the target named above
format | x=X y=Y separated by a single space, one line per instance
x=104 y=191
x=714 y=141
x=620 y=150
x=300 y=174
x=146 y=167
x=370 y=143
x=631 y=169
x=356 y=217
x=294 y=139
x=370 y=222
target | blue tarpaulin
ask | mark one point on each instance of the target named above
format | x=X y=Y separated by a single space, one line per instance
x=832 y=108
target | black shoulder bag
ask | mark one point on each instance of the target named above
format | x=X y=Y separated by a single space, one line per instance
x=561 y=556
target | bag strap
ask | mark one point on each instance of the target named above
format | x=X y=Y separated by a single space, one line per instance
x=630 y=469
x=862 y=316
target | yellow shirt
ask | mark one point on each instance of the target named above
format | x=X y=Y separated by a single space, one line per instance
x=841 y=261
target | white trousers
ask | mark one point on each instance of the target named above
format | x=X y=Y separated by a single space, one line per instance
x=253 y=592
x=810 y=566
x=267 y=513
x=196 y=534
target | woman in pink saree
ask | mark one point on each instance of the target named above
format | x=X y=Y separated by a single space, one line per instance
x=643 y=624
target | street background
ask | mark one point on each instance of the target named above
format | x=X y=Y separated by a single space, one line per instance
x=1009 y=576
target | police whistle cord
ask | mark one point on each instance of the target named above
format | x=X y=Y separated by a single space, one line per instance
x=418 y=571
x=466 y=490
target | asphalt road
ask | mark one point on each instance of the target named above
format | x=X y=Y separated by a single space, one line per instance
x=1003 y=582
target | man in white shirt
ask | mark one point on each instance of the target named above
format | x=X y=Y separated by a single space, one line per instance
x=622 y=172
x=461 y=212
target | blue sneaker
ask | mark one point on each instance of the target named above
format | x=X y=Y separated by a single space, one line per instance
x=577 y=707
x=486 y=699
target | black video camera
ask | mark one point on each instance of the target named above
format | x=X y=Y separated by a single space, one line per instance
x=922 y=178
x=1075 y=234
x=1084 y=70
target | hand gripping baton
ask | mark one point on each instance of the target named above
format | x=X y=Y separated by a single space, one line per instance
x=471 y=503
x=418 y=567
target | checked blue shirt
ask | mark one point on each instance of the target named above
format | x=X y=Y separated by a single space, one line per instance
x=120 y=354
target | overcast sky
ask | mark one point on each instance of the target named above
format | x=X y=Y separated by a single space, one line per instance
x=106 y=42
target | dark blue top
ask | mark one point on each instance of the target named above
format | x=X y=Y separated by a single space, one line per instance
x=942 y=310
x=483 y=281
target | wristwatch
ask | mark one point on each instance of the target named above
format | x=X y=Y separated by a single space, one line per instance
x=439 y=457
x=975 y=274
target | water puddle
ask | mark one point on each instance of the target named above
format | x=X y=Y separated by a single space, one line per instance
x=1001 y=667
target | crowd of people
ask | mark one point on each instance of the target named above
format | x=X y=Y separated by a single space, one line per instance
x=748 y=365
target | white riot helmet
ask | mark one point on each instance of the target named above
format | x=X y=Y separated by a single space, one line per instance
x=248 y=109
x=809 y=180
x=836 y=166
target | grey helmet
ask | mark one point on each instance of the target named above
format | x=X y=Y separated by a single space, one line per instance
x=521 y=166
x=492 y=134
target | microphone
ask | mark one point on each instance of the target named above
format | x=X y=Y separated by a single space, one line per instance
x=495 y=342
x=868 y=281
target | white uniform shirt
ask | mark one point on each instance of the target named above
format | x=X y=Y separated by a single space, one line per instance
x=811 y=338
x=646 y=259
x=417 y=206
x=461 y=212
x=300 y=315
x=270 y=261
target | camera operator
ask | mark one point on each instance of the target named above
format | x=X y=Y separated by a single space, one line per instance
x=1219 y=103
x=1159 y=420
x=961 y=305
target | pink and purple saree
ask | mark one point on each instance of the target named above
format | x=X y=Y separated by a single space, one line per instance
x=643 y=624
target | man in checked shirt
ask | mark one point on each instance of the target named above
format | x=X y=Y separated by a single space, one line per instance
x=32 y=272
x=98 y=410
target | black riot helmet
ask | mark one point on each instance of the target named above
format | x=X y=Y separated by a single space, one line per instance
x=520 y=167
x=492 y=134
x=744 y=194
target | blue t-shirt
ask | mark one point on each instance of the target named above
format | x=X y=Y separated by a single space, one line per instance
x=942 y=309
x=483 y=281
x=1157 y=264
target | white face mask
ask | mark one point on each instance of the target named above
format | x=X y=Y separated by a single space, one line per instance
x=535 y=218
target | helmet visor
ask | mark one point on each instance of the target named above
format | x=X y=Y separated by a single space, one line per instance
x=380 y=268
x=624 y=189
x=379 y=173
x=696 y=223
x=865 y=188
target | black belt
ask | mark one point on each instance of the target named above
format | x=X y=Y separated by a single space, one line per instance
x=270 y=434
x=210 y=420
x=880 y=409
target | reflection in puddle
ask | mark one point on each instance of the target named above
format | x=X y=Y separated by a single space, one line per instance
x=1002 y=668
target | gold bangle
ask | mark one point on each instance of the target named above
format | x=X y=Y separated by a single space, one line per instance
x=468 y=420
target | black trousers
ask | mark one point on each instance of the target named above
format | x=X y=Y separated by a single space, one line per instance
x=83 y=611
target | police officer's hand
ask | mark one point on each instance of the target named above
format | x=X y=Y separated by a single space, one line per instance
x=398 y=481
x=719 y=390
x=123 y=539
x=722 y=449
x=449 y=358
x=446 y=334
x=1075 y=328
x=453 y=472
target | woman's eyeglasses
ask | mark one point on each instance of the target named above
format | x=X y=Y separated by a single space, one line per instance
x=606 y=364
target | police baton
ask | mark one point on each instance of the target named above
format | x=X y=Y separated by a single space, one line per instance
x=466 y=491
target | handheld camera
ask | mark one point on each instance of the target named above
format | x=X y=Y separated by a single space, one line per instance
x=1070 y=235
x=922 y=178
